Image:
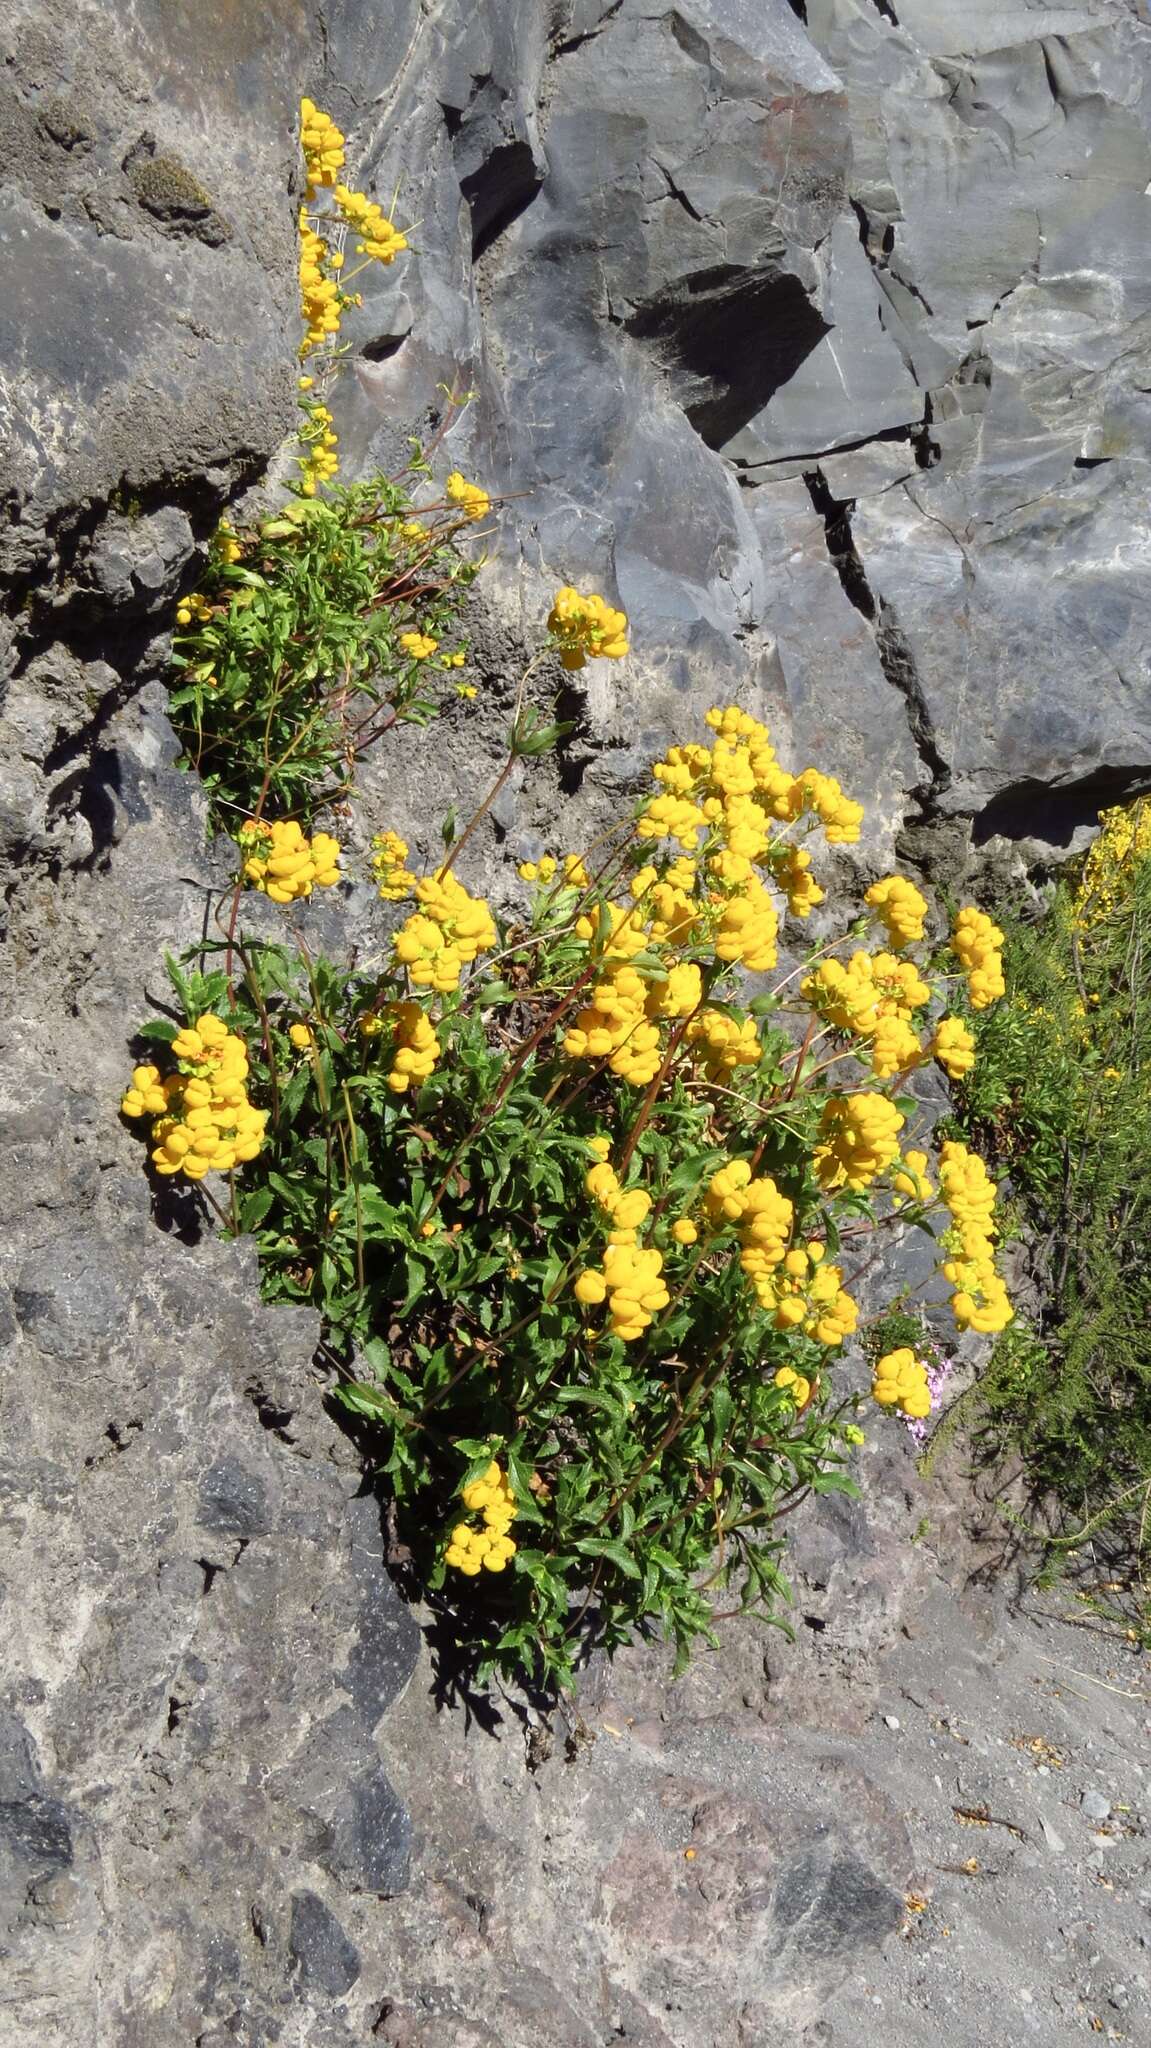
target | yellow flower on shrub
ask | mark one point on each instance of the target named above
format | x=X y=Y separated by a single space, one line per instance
x=322 y=144
x=722 y=1042
x=899 y=905
x=900 y=1381
x=418 y=645
x=806 y=1293
x=389 y=852
x=1121 y=846
x=380 y=238
x=954 y=1047
x=472 y=499
x=449 y=930
x=586 y=626
x=794 y=1385
x=631 y=1282
x=858 y=1139
x=979 y=1301
x=203 y=1120
x=283 y=863
x=415 y=1048
x=912 y=1179
x=471 y=1550
x=977 y=942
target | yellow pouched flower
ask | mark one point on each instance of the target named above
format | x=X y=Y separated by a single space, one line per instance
x=283 y=863
x=394 y=880
x=415 y=1047
x=472 y=499
x=203 y=1121
x=450 y=929
x=858 y=1139
x=724 y=1043
x=977 y=943
x=794 y=1385
x=378 y=237
x=900 y=1381
x=954 y=1047
x=490 y=1548
x=911 y=1179
x=418 y=646
x=322 y=144
x=901 y=908
x=586 y=626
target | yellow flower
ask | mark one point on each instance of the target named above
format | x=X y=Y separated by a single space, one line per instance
x=954 y=1047
x=900 y=1381
x=418 y=645
x=472 y=499
x=583 y=626
x=283 y=863
x=898 y=903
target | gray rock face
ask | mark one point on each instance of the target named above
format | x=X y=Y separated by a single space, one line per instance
x=819 y=343
x=900 y=263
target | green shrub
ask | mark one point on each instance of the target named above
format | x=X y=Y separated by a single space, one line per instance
x=291 y=658
x=1061 y=1097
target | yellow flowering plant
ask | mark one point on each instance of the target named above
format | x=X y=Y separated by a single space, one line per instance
x=317 y=627
x=1059 y=1095
x=582 y=1191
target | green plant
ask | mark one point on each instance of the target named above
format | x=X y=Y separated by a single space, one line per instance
x=577 y=1211
x=577 y=1214
x=292 y=658
x=1061 y=1096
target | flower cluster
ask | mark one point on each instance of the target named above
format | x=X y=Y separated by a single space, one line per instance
x=583 y=626
x=472 y=499
x=912 y=1179
x=283 y=863
x=615 y=1027
x=380 y=239
x=806 y=1293
x=795 y=1385
x=318 y=461
x=722 y=1042
x=872 y=997
x=471 y=1550
x=631 y=1277
x=901 y=909
x=321 y=300
x=1121 y=845
x=631 y=1281
x=858 y=1139
x=573 y=874
x=450 y=929
x=980 y=1298
x=937 y=1370
x=203 y=1120
x=415 y=1047
x=193 y=610
x=978 y=944
x=418 y=646
x=324 y=296
x=954 y=1047
x=900 y=1381
x=389 y=852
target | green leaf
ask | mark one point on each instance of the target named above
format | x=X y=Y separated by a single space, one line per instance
x=611 y=1548
x=158 y=1030
x=362 y=1399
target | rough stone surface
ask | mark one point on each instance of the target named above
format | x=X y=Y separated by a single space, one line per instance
x=819 y=339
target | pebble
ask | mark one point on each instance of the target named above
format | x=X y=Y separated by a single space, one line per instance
x=1053 y=1840
x=1095 y=1806
x=892 y=1721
